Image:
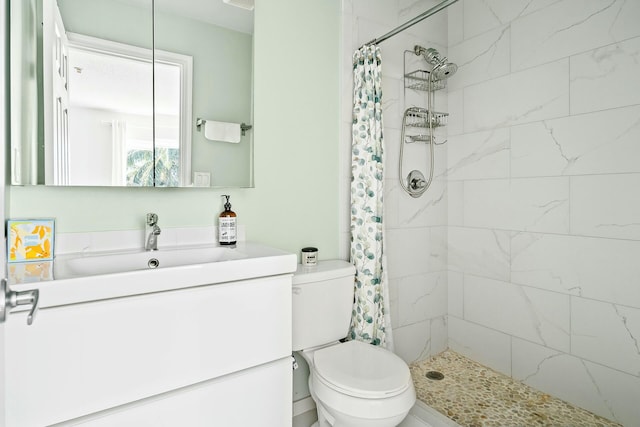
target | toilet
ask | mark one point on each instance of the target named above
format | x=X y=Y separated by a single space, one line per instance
x=352 y=383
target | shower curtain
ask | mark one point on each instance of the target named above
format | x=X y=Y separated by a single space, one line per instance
x=370 y=319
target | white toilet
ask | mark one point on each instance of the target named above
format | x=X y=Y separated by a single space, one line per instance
x=353 y=383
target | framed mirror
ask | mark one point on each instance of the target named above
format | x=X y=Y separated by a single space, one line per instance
x=116 y=89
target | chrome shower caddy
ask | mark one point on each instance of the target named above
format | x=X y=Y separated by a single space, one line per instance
x=418 y=123
x=419 y=80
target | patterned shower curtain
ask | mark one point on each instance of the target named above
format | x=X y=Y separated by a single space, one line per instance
x=370 y=319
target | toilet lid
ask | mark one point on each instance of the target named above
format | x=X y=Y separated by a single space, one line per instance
x=362 y=370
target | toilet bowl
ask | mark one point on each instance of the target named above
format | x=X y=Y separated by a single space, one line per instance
x=357 y=384
x=352 y=383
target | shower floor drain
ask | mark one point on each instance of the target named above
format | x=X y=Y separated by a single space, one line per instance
x=434 y=375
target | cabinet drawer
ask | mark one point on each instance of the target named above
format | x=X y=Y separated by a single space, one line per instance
x=78 y=359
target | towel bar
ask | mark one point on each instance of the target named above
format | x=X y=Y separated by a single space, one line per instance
x=243 y=126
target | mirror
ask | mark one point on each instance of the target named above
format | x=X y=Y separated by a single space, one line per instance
x=105 y=101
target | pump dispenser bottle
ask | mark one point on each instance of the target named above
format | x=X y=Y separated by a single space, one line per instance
x=227 y=225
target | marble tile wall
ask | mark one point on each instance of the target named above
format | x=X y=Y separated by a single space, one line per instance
x=543 y=194
x=416 y=228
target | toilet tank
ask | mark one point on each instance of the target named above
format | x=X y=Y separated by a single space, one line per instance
x=322 y=301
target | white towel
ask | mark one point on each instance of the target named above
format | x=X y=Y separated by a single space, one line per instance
x=222 y=131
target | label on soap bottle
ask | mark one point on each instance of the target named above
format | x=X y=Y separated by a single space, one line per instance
x=227 y=230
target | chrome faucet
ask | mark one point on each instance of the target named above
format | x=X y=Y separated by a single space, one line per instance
x=152 y=231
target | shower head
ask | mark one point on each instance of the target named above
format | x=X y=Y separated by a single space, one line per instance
x=444 y=71
x=441 y=68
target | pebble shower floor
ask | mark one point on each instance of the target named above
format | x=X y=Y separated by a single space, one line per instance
x=476 y=396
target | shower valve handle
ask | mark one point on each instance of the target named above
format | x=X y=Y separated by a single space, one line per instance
x=417 y=183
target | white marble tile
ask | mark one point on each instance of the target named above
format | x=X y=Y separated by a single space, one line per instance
x=481 y=16
x=606 y=77
x=531 y=204
x=601 y=390
x=455 y=294
x=455 y=198
x=384 y=12
x=438 y=257
x=414 y=98
x=533 y=6
x=455 y=125
x=432 y=29
x=367 y=29
x=392 y=105
x=480 y=252
x=481 y=58
x=440 y=157
x=534 y=94
x=439 y=335
x=606 y=333
x=408 y=251
x=569 y=27
x=619 y=391
x=595 y=143
x=391 y=152
x=421 y=297
x=596 y=268
x=455 y=25
x=528 y=313
x=393 y=284
x=484 y=345
x=427 y=210
x=392 y=192
x=479 y=155
x=606 y=206
x=413 y=342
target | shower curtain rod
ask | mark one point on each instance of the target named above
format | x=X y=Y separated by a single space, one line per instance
x=435 y=9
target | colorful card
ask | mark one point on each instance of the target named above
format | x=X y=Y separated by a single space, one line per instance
x=30 y=240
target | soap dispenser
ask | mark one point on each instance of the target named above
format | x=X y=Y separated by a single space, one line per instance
x=227 y=225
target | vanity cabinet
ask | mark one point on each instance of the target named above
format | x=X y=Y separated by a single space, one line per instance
x=214 y=355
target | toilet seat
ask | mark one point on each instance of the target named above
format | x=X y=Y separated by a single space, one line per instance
x=362 y=370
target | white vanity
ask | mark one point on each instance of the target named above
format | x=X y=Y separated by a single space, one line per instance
x=195 y=344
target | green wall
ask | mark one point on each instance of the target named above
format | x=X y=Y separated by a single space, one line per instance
x=296 y=107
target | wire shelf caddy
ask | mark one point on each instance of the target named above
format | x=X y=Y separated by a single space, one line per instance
x=419 y=118
x=419 y=80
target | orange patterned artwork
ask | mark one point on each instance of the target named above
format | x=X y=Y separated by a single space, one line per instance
x=30 y=240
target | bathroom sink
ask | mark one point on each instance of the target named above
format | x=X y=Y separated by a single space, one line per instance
x=95 y=276
x=120 y=262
